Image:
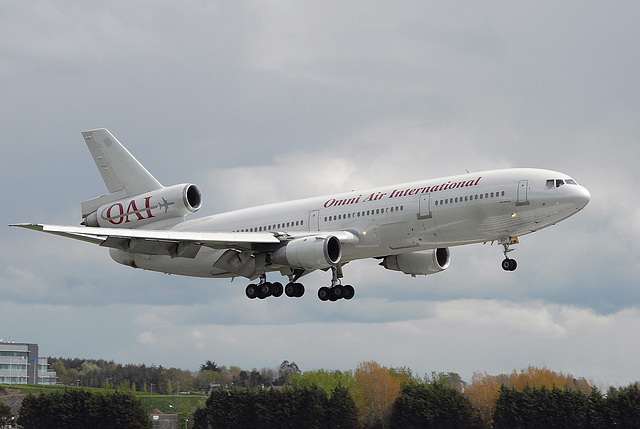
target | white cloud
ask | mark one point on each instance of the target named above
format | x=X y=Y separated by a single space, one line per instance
x=147 y=338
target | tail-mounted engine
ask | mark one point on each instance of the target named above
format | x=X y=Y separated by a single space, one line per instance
x=419 y=263
x=164 y=203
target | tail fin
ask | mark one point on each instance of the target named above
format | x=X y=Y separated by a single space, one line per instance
x=122 y=172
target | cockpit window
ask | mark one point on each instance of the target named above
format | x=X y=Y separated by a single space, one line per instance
x=556 y=183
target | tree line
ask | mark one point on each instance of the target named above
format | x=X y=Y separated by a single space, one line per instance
x=77 y=408
x=375 y=396
x=157 y=379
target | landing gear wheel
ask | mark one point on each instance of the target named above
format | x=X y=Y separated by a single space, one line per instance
x=276 y=289
x=349 y=292
x=251 y=291
x=509 y=264
x=294 y=290
x=264 y=290
x=338 y=291
x=324 y=293
x=290 y=290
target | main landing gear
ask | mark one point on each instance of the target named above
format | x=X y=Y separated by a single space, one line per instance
x=336 y=291
x=509 y=264
x=265 y=289
x=293 y=289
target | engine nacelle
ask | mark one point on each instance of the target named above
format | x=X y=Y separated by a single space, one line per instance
x=310 y=253
x=164 y=203
x=419 y=263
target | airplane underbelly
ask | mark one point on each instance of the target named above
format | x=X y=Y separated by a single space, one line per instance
x=200 y=266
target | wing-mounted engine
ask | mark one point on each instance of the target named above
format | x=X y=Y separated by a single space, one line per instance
x=164 y=203
x=310 y=253
x=419 y=263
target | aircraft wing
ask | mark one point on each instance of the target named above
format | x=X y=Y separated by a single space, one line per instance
x=184 y=244
x=162 y=242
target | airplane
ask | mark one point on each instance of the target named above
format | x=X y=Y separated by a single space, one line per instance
x=409 y=227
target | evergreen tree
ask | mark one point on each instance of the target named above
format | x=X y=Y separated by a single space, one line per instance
x=435 y=405
x=623 y=407
x=76 y=408
x=341 y=409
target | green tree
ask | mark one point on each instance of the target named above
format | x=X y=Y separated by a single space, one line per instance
x=541 y=407
x=596 y=417
x=433 y=405
x=209 y=366
x=325 y=380
x=623 y=407
x=341 y=409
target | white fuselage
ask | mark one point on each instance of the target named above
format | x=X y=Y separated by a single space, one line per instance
x=430 y=214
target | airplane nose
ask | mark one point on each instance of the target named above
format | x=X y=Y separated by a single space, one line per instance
x=582 y=196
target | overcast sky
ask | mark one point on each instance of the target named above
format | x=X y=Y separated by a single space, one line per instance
x=265 y=101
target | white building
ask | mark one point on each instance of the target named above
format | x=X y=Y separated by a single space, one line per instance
x=20 y=364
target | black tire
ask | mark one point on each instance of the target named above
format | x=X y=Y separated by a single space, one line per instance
x=323 y=293
x=506 y=264
x=299 y=290
x=265 y=290
x=349 y=292
x=514 y=265
x=251 y=291
x=290 y=290
x=276 y=289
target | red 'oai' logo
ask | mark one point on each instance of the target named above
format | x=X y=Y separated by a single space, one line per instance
x=116 y=213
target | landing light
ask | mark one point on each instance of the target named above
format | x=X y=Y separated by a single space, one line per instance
x=514 y=215
x=364 y=232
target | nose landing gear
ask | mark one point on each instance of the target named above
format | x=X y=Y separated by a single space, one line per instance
x=509 y=264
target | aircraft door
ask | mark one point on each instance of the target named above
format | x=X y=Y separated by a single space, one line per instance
x=314 y=220
x=523 y=188
x=424 y=212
